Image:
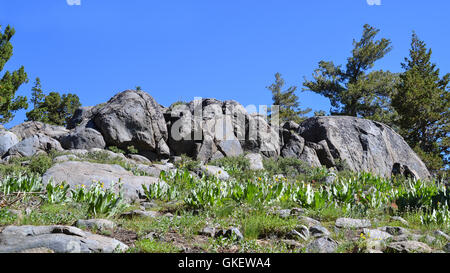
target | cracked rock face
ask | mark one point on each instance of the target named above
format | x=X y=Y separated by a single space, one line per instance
x=364 y=145
x=56 y=239
x=133 y=118
x=86 y=173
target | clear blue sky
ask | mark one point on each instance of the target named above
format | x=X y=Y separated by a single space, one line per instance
x=226 y=49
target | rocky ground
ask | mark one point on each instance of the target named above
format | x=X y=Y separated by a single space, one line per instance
x=118 y=180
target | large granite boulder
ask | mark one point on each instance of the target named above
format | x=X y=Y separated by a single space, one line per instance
x=31 y=128
x=78 y=173
x=55 y=239
x=363 y=144
x=32 y=145
x=209 y=128
x=133 y=118
x=83 y=138
x=7 y=140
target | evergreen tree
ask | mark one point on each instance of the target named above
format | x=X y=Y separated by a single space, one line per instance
x=10 y=82
x=37 y=98
x=53 y=108
x=353 y=91
x=289 y=107
x=423 y=104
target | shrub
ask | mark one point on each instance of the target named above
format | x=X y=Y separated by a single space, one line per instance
x=40 y=163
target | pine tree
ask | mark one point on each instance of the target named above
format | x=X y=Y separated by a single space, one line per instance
x=422 y=101
x=287 y=101
x=37 y=99
x=10 y=82
x=353 y=91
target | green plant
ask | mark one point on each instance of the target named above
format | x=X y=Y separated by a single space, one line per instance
x=40 y=163
x=116 y=150
x=132 y=150
x=100 y=200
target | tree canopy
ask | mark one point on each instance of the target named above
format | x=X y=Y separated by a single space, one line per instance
x=287 y=101
x=423 y=102
x=11 y=81
x=353 y=90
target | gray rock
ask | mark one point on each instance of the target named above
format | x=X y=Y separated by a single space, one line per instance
x=295 y=235
x=352 y=223
x=64 y=158
x=309 y=221
x=229 y=233
x=364 y=145
x=283 y=213
x=31 y=128
x=400 y=219
x=408 y=247
x=375 y=234
x=99 y=224
x=447 y=248
x=256 y=162
x=7 y=140
x=78 y=152
x=139 y=158
x=83 y=138
x=322 y=245
x=133 y=118
x=394 y=230
x=32 y=145
x=140 y=213
x=86 y=173
x=58 y=239
x=319 y=231
x=208 y=231
x=442 y=234
x=218 y=172
x=230 y=148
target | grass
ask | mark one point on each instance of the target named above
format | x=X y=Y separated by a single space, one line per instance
x=245 y=201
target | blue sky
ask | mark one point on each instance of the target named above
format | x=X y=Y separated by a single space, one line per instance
x=226 y=49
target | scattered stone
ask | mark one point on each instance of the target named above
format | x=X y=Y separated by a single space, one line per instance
x=58 y=239
x=229 y=233
x=408 y=247
x=139 y=158
x=394 y=230
x=442 y=234
x=400 y=219
x=152 y=236
x=322 y=245
x=256 y=162
x=148 y=204
x=375 y=234
x=283 y=213
x=218 y=172
x=140 y=213
x=319 y=231
x=309 y=221
x=352 y=223
x=208 y=231
x=64 y=158
x=99 y=224
x=292 y=244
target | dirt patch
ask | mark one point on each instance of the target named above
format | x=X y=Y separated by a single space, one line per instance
x=127 y=237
